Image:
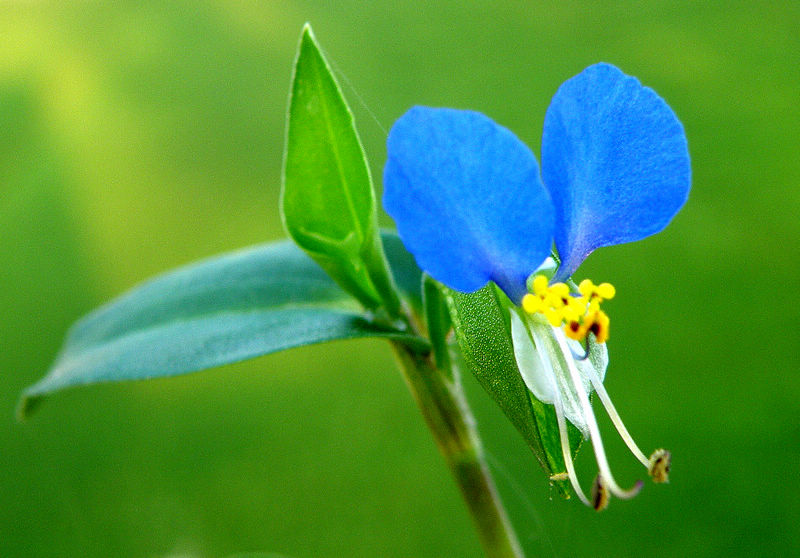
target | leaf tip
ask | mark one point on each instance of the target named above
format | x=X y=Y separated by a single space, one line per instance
x=307 y=34
x=307 y=41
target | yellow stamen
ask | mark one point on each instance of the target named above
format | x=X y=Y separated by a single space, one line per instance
x=586 y=288
x=561 y=290
x=606 y=290
x=600 y=326
x=579 y=314
x=540 y=285
x=531 y=303
x=553 y=316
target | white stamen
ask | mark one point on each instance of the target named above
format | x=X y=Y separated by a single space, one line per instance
x=616 y=419
x=565 y=449
x=594 y=430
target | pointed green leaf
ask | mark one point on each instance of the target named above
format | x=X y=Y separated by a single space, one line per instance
x=223 y=310
x=482 y=328
x=328 y=203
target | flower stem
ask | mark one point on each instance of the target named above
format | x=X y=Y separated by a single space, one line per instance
x=449 y=418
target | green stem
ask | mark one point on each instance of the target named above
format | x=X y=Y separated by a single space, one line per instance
x=449 y=418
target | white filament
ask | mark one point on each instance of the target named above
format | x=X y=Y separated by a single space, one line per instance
x=565 y=449
x=616 y=419
x=594 y=430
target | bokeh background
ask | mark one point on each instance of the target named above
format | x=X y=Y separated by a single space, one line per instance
x=135 y=137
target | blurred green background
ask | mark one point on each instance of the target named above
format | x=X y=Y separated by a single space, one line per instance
x=135 y=137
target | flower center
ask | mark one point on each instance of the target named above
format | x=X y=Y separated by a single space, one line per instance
x=579 y=313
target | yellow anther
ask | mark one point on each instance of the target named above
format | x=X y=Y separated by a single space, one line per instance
x=603 y=291
x=606 y=291
x=554 y=301
x=531 y=303
x=574 y=330
x=540 y=285
x=577 y=304
x=580 y=315
x=560 y=290
x=570 y=313
x=600 y=326
x=553 y=316
x=586 y=288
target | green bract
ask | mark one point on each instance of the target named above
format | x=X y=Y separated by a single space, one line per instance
x=483 y=331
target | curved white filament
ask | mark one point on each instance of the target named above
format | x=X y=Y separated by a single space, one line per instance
x=594 y=430
x=565 y=449
x=616 y=419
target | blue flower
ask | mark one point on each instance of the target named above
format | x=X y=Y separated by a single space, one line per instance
x=472 y=205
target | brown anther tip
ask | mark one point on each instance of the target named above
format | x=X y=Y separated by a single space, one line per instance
x=600 y=494
x=660 y=463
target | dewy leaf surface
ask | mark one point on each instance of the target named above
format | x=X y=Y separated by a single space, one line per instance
x=328 y=204
x=223 y=310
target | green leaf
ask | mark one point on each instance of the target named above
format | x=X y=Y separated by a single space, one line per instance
x=328 y=203
x=226 y=309
x=437 y=320
x=482 y=328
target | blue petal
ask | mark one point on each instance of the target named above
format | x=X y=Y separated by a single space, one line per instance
x=615 y=161
x=467 y=199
